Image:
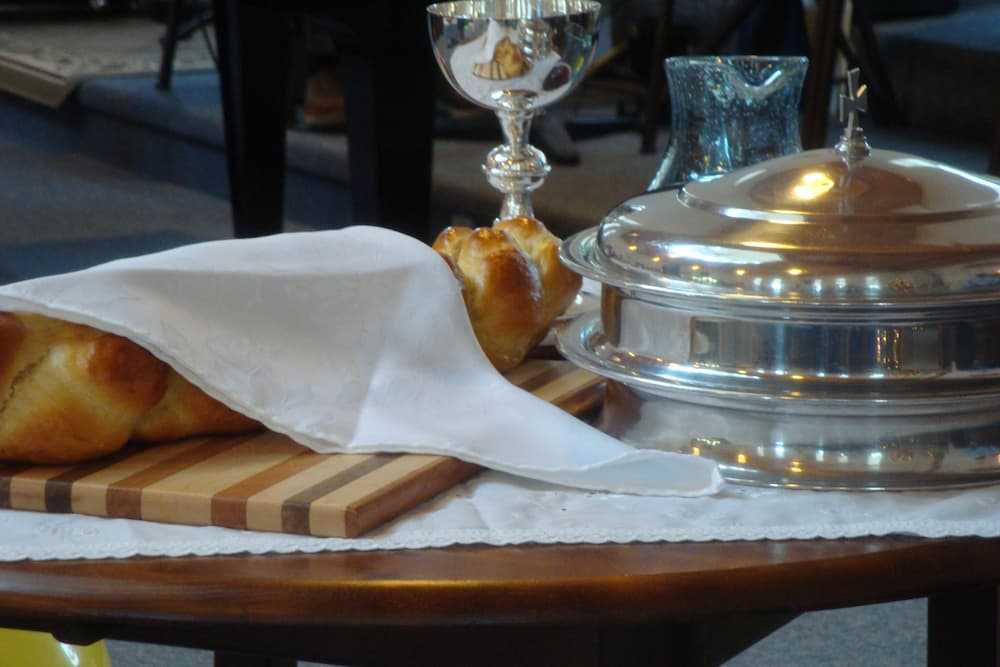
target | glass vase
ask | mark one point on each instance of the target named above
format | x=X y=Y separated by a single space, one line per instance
x=729 y=112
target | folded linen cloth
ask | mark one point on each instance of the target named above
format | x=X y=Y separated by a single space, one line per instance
x=354 y=340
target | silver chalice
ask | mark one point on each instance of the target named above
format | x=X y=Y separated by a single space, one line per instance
x=514 y=56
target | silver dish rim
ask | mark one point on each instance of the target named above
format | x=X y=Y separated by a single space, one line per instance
x=575 y=341
x=578 y=253
x=877 y=483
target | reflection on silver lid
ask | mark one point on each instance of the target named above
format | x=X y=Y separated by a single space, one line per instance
x=820 y=320
x=809 y=228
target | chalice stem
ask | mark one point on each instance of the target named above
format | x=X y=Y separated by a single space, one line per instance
x=516 y=205
x=516 y=128
x=516 y=168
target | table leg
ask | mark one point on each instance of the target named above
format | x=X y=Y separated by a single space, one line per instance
x=962 y=628
x=223 y=659
x=254 y=62
x=168 y=45
x=703 y=644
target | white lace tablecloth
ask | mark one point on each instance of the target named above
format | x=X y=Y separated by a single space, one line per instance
x=403 y=373
x=495 y=508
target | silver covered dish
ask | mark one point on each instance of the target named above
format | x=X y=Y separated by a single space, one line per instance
x=829 y=319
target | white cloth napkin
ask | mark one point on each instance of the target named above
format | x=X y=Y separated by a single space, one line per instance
x=354 y=340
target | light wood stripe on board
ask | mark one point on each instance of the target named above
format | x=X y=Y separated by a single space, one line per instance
x=89 y=495
x=296 y=512
x=189 y=496
x=543 y=379
x=125 y=496
x=409 y=491
x=264 y=509
x=330 y=514
x=27 y=489
x=59 y=489
x=565 y=384
x=526 y=371
x=229 y=506
x=7 y=473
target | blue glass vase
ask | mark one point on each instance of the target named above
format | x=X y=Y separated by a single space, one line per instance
x=729 y=112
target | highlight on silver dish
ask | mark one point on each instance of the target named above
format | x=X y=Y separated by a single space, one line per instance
x=826 y=319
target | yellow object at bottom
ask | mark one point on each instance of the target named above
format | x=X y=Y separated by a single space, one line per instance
x=20 y=648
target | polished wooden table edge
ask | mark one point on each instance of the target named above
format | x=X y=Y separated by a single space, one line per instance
x=566 y=584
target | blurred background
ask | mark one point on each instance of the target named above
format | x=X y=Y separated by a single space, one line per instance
x=112 y=124
x=115 y=117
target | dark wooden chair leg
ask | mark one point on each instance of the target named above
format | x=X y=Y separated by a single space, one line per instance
x=254 y=62
x=994 y=163
x=962 y=628
x=223 y=659
x=388 y=87
x=873 y=67
x=820 y=78
x=169 y=45
x=657 y=77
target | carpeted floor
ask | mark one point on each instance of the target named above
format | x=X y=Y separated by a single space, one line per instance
x=66 y=212
x=572 y=198
x=45 y=61
x=57 y=197
x=888 y=635
x=22 y=261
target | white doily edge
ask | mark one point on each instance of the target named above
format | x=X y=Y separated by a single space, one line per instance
x=448 y=538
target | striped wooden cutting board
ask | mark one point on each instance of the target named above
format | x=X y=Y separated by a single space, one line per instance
x=264 y=481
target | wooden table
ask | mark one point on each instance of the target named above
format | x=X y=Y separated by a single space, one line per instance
x=686 y=604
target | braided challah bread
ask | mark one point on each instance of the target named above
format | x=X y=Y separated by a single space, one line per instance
x=72 y=393
x=513 y=283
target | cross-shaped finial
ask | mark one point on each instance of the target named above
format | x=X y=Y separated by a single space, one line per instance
x=855 y=100
x=853 y=145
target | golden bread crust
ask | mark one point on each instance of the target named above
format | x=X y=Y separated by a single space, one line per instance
x=12 y=333
x=559 y=285
x=513 y=283
x=449 y=242
x=71 y=393
x=503 y=296
x=78 y=401
x=186 y=410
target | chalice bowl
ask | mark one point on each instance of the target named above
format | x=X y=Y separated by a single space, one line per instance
x=514 y=57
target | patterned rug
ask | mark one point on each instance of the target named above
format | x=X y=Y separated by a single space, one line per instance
x=45 y=61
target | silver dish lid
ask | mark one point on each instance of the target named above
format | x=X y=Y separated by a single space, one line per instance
x=820 y=228
x=827 y=319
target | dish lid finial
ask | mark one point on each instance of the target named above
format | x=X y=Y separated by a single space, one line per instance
x=853 y=144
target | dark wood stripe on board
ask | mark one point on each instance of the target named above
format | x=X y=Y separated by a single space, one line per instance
x=229 y=506
x=548 y=376
x=7 y=473
x=295 y=510
x=59 y=489
x=125 y=496
x=582 y=399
